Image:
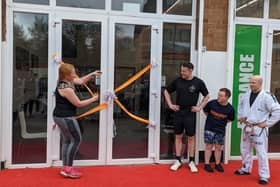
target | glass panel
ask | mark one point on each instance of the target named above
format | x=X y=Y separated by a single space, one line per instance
x=177 y=7
x=81 y=46
x=39 y=2
x=95 y=4
x=132 y=53
x=30 y=86
x=176 y=50
x=274 y=7
x=249 y=8
x=135 y=6
x=274 y=132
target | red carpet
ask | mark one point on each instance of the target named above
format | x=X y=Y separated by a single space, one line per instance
x=136 y=176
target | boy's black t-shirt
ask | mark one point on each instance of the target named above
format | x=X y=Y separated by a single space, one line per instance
x=187 y=91
x=218 y=116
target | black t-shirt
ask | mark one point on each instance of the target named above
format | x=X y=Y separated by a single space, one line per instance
x=187 y=91
x=63 y=107
x=253 y=97
x=218 y=116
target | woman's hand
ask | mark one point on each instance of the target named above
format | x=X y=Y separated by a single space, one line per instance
x=96 y=73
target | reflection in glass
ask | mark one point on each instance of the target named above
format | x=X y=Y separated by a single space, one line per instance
x=81 y=46
x=249 y=8
x=177 y=7
x=135 y=6
x=39 y=2
x=132 y=54
x=274 y=7
x=95 y=4
x=176 y=50
x=274 y=132
x=30 y=86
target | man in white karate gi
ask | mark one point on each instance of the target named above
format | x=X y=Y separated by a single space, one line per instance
x=258 y=110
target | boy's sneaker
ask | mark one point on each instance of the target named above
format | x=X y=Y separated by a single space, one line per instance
x=219 y=168
x=208 y=168
x=70 y=172
x=177 y=164
x=193 y=168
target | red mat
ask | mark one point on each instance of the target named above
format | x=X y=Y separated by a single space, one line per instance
x=136 y=176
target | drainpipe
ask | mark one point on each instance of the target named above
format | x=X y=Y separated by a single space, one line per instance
x=198 y=68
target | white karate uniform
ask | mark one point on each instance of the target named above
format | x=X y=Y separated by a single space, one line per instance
x=266 y=109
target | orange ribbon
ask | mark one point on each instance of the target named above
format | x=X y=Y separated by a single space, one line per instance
x=133 y=78
x=121 y=87
x=95 y=109
x=132 y=115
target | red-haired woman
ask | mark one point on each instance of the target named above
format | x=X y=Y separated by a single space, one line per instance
x=64 y=115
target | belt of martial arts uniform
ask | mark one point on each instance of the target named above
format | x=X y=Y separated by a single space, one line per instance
x=263 y=129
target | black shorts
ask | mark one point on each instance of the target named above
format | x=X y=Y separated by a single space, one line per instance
x=185 y=120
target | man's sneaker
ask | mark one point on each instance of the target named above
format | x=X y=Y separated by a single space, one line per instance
x=193 y=168
x=177 y=164
x=219 y=168
x=241 y=172
x=70 y=172
x=208 y=168
x=263 y=181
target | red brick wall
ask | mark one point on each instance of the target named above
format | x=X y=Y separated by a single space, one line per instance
x=215 y=25
x=3 y=20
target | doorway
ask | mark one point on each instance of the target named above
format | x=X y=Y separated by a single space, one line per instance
x=273 y=78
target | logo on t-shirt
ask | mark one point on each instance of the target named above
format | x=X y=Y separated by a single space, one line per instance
x=218 y=115
x=192 y=89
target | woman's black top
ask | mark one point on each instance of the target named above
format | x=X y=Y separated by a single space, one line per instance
x=63 y=107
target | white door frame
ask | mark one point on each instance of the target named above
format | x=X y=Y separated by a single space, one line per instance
x=154 y=95
x=268 y=66
x=55 y=149
x=268 y=59
x=7 y=102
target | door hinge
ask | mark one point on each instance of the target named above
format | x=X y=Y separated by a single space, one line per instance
x=268 y=34
x=156 y=30
x=56 y=23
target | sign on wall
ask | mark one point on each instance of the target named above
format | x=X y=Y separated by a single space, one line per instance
x=247 y=55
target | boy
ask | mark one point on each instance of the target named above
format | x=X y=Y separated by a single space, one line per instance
x=219 y=111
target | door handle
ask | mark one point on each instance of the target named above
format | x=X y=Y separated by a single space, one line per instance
x=154 y=93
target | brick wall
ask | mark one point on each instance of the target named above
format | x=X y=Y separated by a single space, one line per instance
x=215 y=25
x=3 y=20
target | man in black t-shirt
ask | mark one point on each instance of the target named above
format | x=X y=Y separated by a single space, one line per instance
x=187 y=88
x=219 y=111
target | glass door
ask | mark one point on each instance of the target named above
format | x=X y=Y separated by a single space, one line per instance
x=134 y=44
x=273 y=79
x=80 y=41
x=30 y=88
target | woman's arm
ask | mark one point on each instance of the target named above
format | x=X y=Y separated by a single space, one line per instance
x=86 y=78
x=69 y=94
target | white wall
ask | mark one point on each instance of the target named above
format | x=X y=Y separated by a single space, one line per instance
x=214 y=69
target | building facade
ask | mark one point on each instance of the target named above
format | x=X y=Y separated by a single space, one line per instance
x=227 y=41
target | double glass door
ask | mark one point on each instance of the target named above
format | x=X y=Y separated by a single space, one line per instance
x=273 y=77
x=120 y=48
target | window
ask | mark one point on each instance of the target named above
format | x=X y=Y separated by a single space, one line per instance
x=94 y=4
x=249 y=8
x=274 y=7
x=39 y=2
x=177 y=7
x=135 y=6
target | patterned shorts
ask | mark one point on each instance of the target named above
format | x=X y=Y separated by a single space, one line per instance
x=211 y=137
